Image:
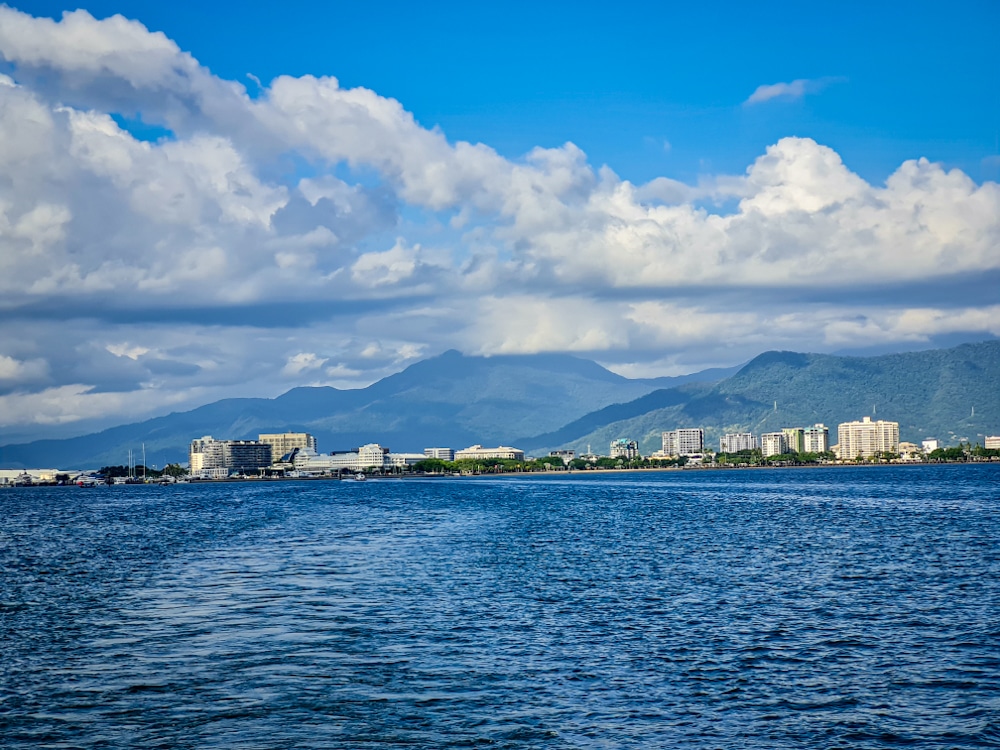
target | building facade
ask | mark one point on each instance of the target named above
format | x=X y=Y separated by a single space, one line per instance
x=773 y=444
x=992 y=442
x=478 y=452
x=816 y=439
x=865 y=438
x=795 y=441
x=211 y=458
x=623 y=448
x=734 y=442
x=445 y=454
x=283 y=443
x=684 y=442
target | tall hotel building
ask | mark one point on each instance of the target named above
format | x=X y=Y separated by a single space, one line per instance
x=684 y=442
x=816 y=439
x=734 y=442
x=866 y=438
x=283 y=443
x=773 y=444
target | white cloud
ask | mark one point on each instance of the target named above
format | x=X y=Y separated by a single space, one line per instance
x=443 y=244
x=790 y=90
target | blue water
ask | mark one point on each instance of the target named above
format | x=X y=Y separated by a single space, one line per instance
x=842 y=607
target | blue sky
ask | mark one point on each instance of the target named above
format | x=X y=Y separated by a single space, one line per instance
x=192 y=207
x=620 y=80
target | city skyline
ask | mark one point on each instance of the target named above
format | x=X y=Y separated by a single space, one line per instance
x=205 y=203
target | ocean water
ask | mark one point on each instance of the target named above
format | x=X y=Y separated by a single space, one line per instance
x=823 y=608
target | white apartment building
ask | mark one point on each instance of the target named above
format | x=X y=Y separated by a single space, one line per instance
x=773 y=444
x=622 y=448
x=478 y=452
x=816 y=439
x=684 y=442
x=734 y=442
x=992 y=442
x=866 y=438
x=930 y=444
x=283 y=443
x=445 y=454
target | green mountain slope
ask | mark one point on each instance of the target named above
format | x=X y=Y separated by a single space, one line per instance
x=950 y=394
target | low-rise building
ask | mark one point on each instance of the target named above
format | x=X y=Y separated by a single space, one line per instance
x=211 y=458
x=478 y=452
x=992 y=442
x=684 y=442
x=930 y=444
x=734 y=442
x=444 y=454
x=865 y=438
x=566 y=456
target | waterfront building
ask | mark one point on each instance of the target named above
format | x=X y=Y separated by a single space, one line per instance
x=623 y=448
x=478 y=452
x=773 y=444
x=444 y=454
x=370 y=457
x=734 y=442
x=866 y=438
x=795 y=440
x=816 y=439
x=283 y=443
x=930 y=444
x=566 y=456
x=684 y=442
x=211 y=458
x=992 y=442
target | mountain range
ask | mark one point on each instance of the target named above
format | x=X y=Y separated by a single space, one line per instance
x=547 y=401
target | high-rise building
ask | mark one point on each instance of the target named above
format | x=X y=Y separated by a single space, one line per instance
x=992 y=442
x=794 y=439
x=866 y=438
x=208 y=456
x=684 y=442
x=773 y=444
x=734 y=442
x=622 y=448
x=816 y=439
x=283 y=443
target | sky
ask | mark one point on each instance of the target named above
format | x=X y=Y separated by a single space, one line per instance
x=205 y=200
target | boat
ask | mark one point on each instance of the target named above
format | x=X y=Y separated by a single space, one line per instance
x=359 y=477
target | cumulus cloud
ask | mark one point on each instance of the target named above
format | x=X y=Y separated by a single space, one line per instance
x=183 y=267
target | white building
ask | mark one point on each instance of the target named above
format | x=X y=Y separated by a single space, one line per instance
x=684 y=442
x=992 y=442
x=930 y=444
x=478 y=452
x=444 y=454
x=283 y=443
x=773 y=444
x=816 y=439
x=734 y=442
x=622 y=448
x=370 y=457
x=866 y=438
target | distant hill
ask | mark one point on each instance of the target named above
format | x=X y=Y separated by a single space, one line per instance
x=449 y=400
x=930 y=393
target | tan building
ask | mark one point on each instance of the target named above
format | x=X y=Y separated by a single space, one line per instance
x=866 y=438
x=477 y=452
x=992 y=442
x=283 y=443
